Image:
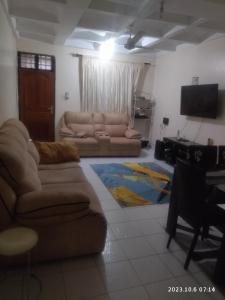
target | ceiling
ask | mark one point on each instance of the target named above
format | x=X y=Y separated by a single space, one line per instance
x=154 y=24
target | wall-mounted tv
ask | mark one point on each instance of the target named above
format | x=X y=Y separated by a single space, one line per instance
x=199 y=100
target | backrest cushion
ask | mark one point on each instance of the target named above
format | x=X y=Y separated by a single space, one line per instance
x=32 y=150
x=116 y=124
x=17 y=166
x=85 y=129
x=98 y=121
x=78 y=118
x=14 y=123
x=116 y=119
x=116 y=130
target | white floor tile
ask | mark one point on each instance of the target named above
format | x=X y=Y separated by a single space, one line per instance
x=83 y=284
x=116 y=216
x=109 y=204
x=110 y=235
x=173 y=264
x=189 y=281
x=137 y=293
x=150 y=269
x=48 y=268
x=119 y=276
x=136 y=247
x=10 y=289
x=111 y=253
x=148 y=227
x=159 y=241
x=204 y=280
x=52 y=288
x=78 y=263
x=126 y=230
x=160 y=290
x=193 y=266
x=157 y=210
x=136 y=213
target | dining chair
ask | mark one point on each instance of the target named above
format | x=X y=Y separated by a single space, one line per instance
x=191 y=194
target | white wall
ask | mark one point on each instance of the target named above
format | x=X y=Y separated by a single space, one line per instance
x=67 y=72
x=8 y=69
x=176 y=69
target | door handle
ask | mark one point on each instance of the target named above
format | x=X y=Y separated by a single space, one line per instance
x=50 y=108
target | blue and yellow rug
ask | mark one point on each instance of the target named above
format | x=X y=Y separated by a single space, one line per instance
x=134 y=184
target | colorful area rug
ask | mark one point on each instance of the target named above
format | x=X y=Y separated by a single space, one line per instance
x=134 y=184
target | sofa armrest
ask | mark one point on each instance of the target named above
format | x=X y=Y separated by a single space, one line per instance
x=44 y=204
x=65 y=131
x=132 y=134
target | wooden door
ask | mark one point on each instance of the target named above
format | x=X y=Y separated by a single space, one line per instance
x=37 y=101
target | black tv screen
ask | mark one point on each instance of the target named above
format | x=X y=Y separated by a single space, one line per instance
x=199 y=100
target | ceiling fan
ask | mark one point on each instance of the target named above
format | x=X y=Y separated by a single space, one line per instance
x=130 y=41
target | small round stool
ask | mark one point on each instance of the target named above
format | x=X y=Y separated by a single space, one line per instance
x=17 y=241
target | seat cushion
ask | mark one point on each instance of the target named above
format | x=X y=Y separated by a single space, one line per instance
x=123 y=142
x=116 y=130
x=84 y=143
x=80 y=188
x=61 y=175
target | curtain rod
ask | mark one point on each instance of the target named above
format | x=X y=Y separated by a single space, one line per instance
x=80 y=55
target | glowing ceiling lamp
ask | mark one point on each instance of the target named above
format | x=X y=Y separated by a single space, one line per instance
x=106 y=49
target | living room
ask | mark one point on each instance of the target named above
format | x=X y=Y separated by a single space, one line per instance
x=133 y=261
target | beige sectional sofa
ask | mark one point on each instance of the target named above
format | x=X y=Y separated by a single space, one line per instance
x=100 y=134
x=56 y=200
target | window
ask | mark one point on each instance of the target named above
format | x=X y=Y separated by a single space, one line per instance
x=44 y=62
x=36 y=61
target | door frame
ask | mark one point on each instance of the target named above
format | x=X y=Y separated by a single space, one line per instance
x=53 y=70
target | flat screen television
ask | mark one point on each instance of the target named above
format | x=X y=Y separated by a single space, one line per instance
x=199 y=100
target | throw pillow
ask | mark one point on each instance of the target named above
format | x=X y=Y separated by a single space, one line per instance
x=57 y=152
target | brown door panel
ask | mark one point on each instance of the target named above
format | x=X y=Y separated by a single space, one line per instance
x=36 y=98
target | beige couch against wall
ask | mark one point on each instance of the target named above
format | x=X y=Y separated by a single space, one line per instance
x=55 y=200
x=100 y=134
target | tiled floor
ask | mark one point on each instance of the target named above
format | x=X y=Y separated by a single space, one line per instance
x=135 y=264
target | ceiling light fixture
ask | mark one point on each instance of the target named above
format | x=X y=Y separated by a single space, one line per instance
x=106 y=49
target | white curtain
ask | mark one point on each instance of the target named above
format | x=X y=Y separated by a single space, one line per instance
x=108 y=86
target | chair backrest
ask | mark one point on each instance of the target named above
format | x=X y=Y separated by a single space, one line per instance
x=221 y=158
x=189 y=190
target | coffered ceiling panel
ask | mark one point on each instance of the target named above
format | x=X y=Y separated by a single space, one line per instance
x=135 y=26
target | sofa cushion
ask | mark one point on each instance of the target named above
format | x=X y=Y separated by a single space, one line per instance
x=49 y=203
x=33 y=152
x=78 y=118
x=57 y=152
x=116 y=118
x=116 y=130
x=98 y=121
x=61 y=175
x=132 y=134
x=123 y=142
x=7 y=203
x=17 y=166
x=78 y=187
x=14 y=123
x=82 y=129
x=85 y=143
